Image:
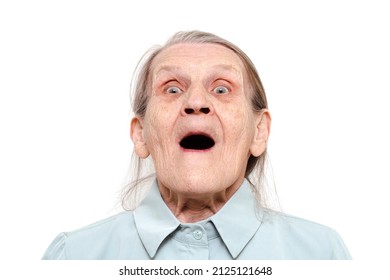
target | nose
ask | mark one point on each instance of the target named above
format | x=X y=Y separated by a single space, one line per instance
x=197 y=102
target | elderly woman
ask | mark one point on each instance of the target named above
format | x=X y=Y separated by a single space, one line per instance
x=201 y=114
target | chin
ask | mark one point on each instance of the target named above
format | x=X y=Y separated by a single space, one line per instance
x=196 y=185
x=192 y=184
x=201 y=185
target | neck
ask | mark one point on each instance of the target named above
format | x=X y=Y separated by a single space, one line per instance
x=191 y=208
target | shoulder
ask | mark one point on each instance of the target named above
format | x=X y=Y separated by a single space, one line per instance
x=119 y=220
x=94 y=241
x=293 y=223
x=303 y=238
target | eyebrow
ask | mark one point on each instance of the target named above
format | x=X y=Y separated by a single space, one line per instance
x=172 y=68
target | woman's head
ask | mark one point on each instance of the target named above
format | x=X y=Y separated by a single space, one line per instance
x=200 y=111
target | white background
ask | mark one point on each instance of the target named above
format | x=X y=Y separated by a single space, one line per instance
x=65 y=70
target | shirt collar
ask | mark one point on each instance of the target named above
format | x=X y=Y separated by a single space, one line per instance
x=154 y=220
x=236 y=222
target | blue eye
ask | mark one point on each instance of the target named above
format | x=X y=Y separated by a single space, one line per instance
x=174 y=90
x=221 y=90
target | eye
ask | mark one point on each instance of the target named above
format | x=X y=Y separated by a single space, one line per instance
x=221 y=90
x=173 y=90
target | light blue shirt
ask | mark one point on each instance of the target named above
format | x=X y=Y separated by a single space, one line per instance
x=240 y=230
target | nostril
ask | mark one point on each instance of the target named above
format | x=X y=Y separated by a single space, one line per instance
x=189 y=110
x=205 y=110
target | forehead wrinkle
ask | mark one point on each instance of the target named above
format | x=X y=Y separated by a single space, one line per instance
x=195 y=56
x=227 y=67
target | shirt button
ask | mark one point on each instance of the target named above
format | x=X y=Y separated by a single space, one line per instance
x=197 y=234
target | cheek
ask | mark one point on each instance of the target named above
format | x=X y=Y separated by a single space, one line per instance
x=239 y=123
x=159 y=126
x=152 y=133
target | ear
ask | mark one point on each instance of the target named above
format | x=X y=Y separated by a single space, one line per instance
x=262 y=131
x=137 y=135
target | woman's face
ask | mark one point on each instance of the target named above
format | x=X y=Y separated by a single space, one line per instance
x=199 y=125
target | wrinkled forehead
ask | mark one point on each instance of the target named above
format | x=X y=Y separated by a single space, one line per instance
x=198 y=56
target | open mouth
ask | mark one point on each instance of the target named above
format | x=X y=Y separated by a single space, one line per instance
x=197 y=142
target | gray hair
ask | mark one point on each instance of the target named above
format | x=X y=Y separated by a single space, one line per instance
x=140 y=86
